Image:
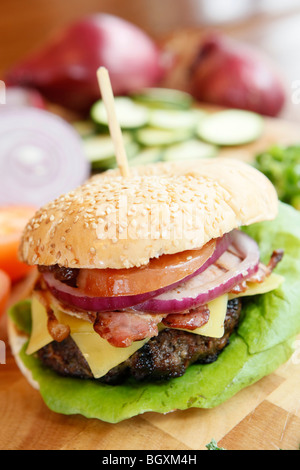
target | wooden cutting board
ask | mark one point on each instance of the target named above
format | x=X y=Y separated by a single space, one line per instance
x=265 y=416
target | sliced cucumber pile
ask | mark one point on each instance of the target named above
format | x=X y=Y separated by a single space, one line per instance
x=130 y=115
x=190 y=150
x=231 y=127
x=163 y=98
x=164 y=119
x=164 y=125
x=100 y=150
x=150 y=136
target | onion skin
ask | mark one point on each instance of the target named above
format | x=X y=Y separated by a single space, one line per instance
x=229 y=74
x=64 y=70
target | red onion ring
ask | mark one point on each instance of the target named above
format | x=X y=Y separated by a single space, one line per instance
x=75 y=298
x=200 y=289
x=41 y=156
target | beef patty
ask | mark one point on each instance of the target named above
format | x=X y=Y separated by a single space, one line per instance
x=165 y=356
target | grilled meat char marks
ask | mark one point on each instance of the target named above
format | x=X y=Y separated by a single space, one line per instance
x=165 y=356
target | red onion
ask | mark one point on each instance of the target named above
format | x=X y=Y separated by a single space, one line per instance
x=211 y=283
x=41 y=156
x=74 y=296
x=64 y=70
x=229 y=74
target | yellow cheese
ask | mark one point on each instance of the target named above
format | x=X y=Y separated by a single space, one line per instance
x=214 y=328
x=99 y=354
x=272 y=282
x=40 y=336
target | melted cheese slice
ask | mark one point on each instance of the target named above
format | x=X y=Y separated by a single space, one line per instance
x=272 y=282
x=214 y=328
x=100 y=355
x=40 y=335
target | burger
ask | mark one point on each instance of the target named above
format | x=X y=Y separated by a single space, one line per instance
x=172 y=288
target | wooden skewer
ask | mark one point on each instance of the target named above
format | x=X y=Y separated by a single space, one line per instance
x=114 y=126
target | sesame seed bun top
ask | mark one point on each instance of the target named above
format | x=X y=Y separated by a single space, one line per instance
x=115 y=222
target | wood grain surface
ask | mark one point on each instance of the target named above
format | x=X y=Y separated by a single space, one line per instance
x=264 y=416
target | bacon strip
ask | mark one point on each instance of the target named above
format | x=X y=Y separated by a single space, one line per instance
x=58 y=331
x=262 y=273
x=121 y=329
x=188 y=321
x=265 y=271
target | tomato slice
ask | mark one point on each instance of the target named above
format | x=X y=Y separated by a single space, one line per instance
x=158 y=273
x=12 y=223
x=5 y=285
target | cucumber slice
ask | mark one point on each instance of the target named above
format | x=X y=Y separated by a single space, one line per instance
x=153 y=137
x=130 y=115
x=190 y=150
x=173 y=119
x=199 y=114
x=164 y=98
x=231 y=127
x=100 y=150
x=147 y=156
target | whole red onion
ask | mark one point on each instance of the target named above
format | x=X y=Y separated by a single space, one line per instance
x=229 y=74
x=64 y=70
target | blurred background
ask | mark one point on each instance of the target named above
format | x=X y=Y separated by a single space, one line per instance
x=270 y=25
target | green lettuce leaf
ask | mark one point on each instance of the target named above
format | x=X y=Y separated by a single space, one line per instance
x=261 y=344
x=20 y=314
x=274 y=317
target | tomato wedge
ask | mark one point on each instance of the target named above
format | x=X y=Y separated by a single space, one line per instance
x=12 y=222
x=5 y=285
x=158 y=273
